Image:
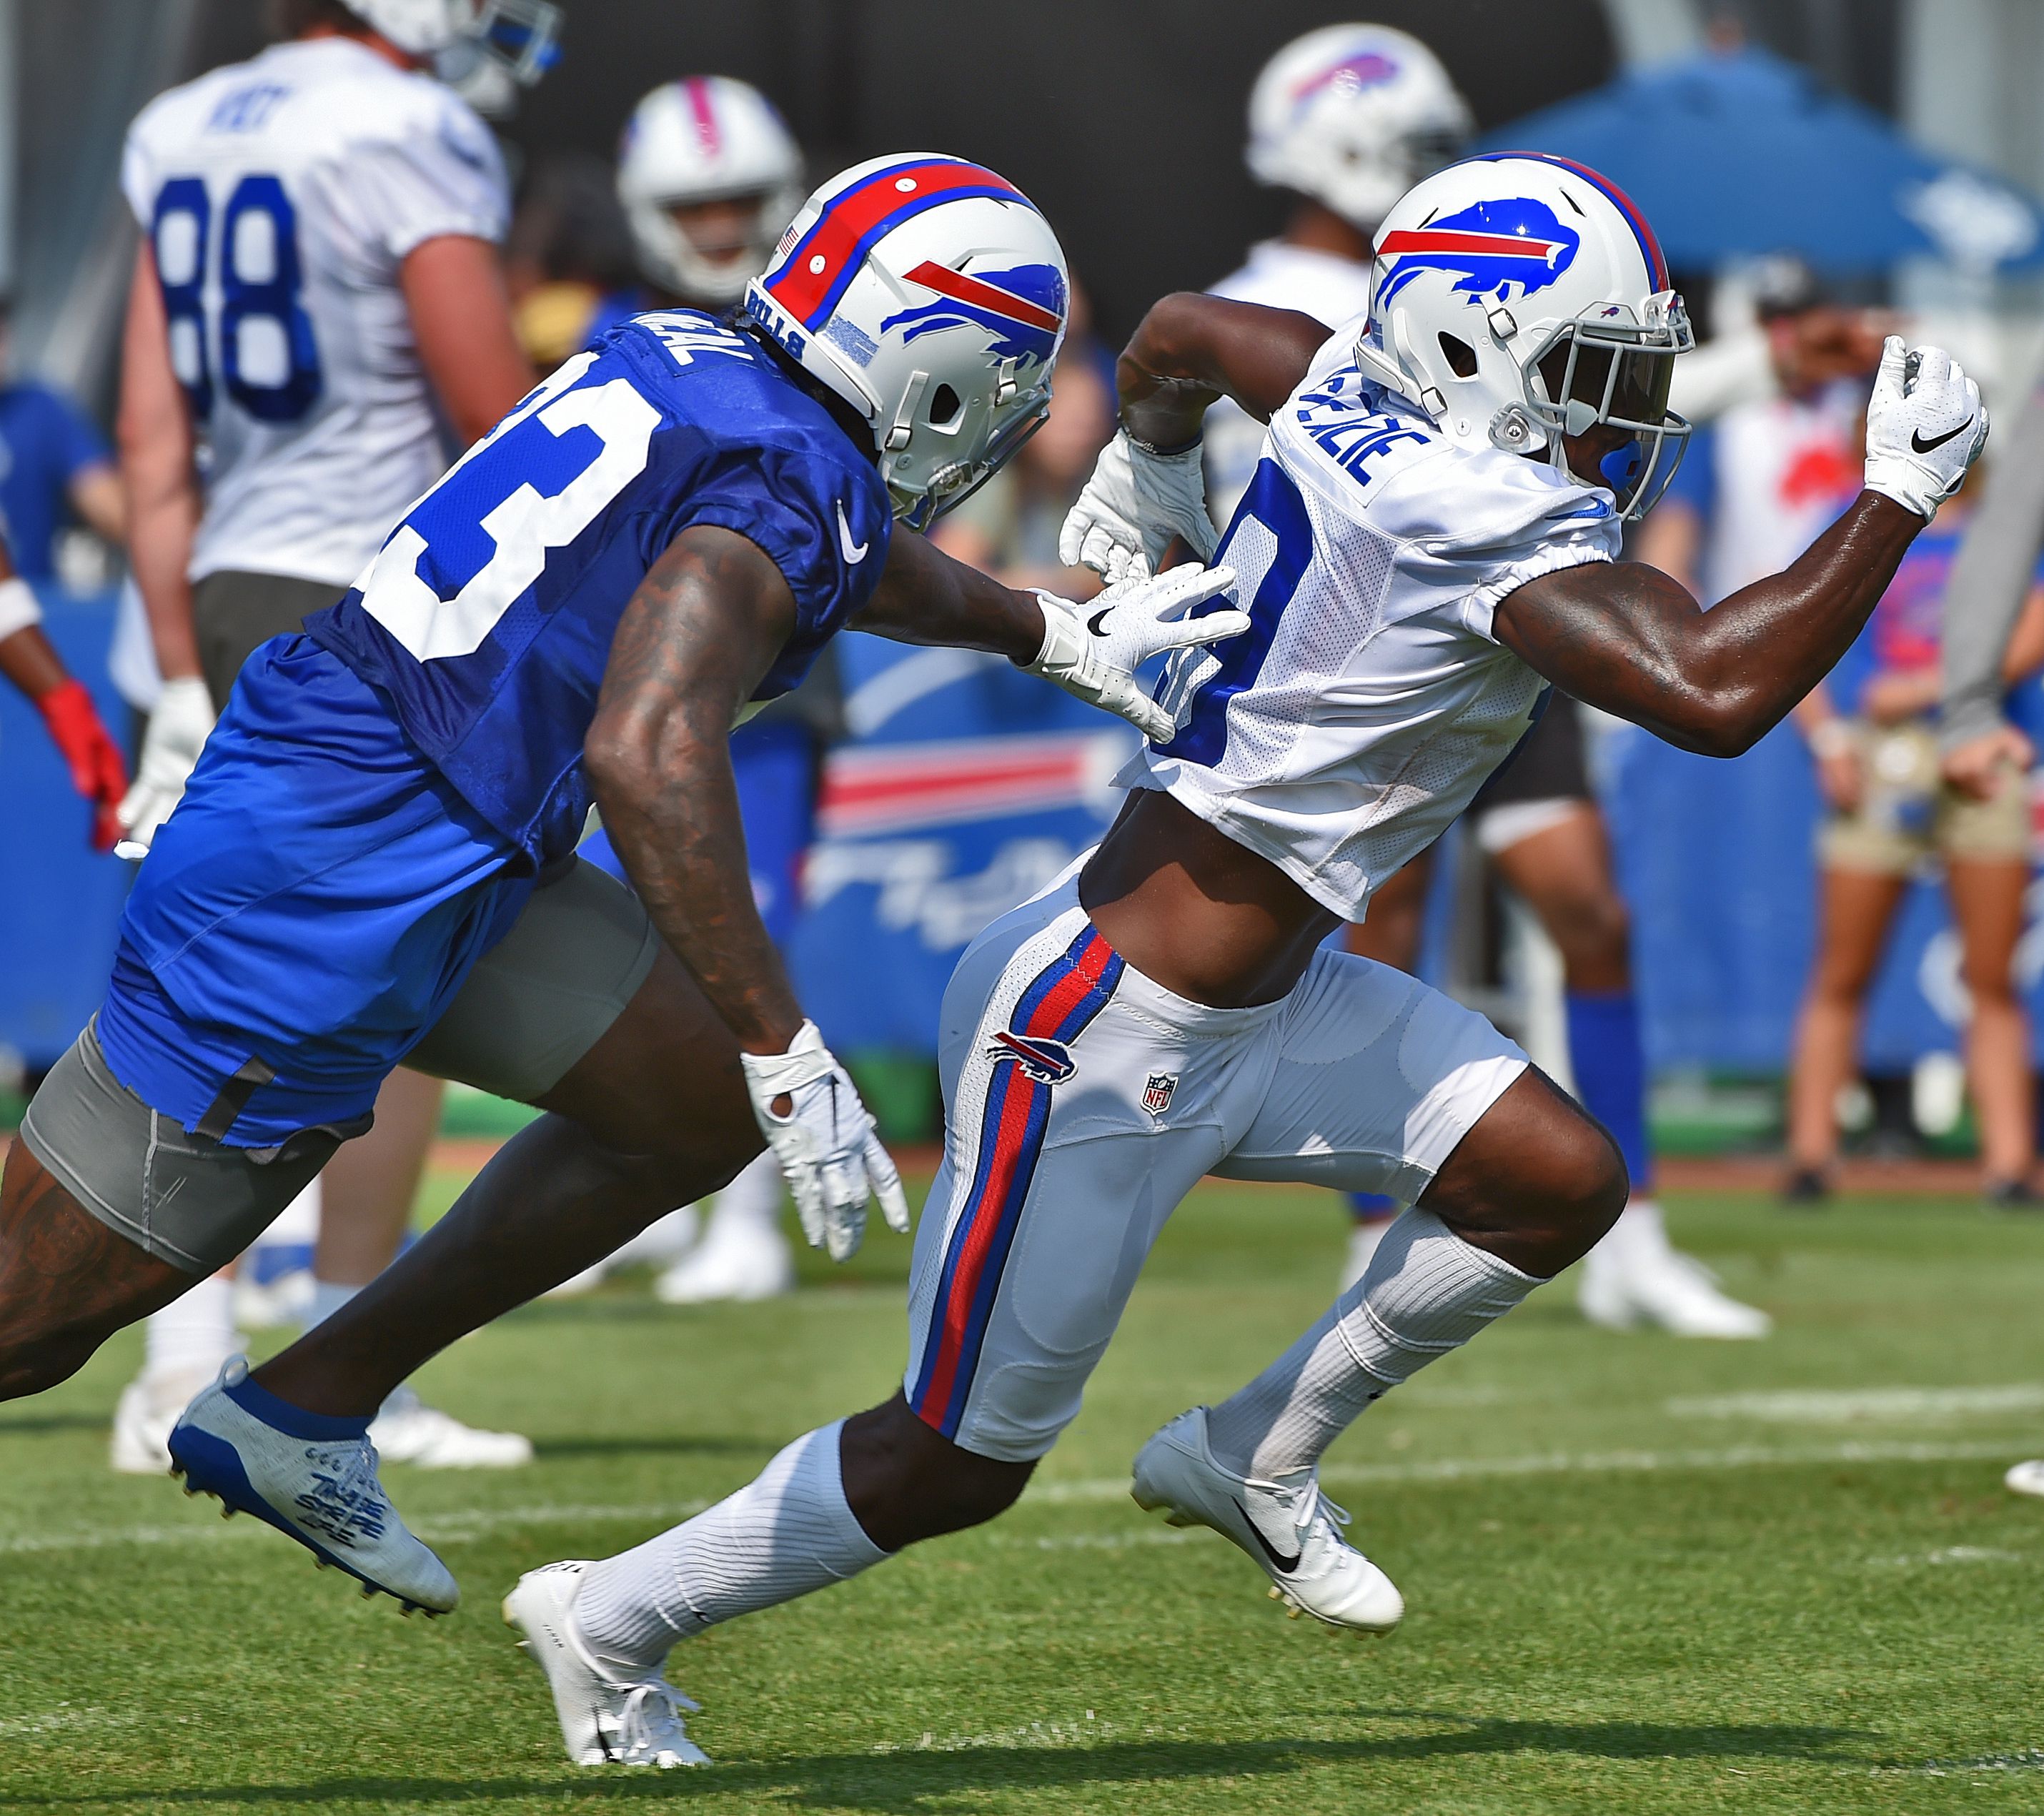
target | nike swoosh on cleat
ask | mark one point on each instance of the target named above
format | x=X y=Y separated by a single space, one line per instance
x=1923 y=447
x=1097 y=623
x=1287 y=1565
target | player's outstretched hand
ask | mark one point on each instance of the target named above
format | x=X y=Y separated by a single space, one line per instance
x=178 y=728
x=1133 y=505
x=97 y=770
x=1093 y=650
x=825 y=1142
x=1925 y=426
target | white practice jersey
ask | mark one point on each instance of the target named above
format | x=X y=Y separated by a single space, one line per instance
x=280 y=196
x=1327 y=288
x=1340 y=735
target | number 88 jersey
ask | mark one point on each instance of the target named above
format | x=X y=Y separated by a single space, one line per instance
x=280 y=197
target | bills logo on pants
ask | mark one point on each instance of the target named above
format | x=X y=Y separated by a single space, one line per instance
x=1053 y=1010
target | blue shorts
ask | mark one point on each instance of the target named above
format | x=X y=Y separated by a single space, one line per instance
x=307 y=913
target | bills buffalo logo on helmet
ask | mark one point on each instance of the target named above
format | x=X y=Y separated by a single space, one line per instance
x=1023 y=308
x=1047 y=1062
x=1506 y=248
x=1366 y=69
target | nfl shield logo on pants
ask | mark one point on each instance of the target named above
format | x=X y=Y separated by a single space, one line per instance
x=1157 y=1091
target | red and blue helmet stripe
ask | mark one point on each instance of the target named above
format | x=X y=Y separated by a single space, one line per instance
x=1650 y=247
x=808 y=281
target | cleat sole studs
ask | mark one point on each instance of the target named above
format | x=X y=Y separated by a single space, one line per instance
x=368 y=1589
x=1276 y=1594
x=226 y=1512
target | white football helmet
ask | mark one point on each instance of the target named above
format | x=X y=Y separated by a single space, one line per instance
x=1519 y=298
x=707 y=138
x=929 y=294
x=522 y=36
x=1354 y=116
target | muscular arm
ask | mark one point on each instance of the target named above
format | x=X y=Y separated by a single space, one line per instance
x=155 y=438
x=28 y=659
x=461 y=320
x=1627 y=638
x=925 y=597
x=1191 y=349
x=706 y=622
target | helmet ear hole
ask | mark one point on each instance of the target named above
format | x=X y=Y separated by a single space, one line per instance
x=945 y=407
x=1460 y=355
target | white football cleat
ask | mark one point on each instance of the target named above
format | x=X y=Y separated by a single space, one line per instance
x=1292 y=1532
x=738 y=1259
x=148 y=1408
x=321 y=1491
x=665 y=1240
x=405 y=1430
x=2026 y=1478
x=1672 y=1291
x=605 y=1720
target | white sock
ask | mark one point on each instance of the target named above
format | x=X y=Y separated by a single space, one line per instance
x=751 y=1201
x=1639 y=1238
x=329 y=1297
x=786 y=1533
x=194 y=1333
x=1426 y=1292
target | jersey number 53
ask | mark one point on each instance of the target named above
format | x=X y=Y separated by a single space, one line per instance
x=236 y=292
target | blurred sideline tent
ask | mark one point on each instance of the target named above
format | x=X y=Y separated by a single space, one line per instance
x=1736 y=153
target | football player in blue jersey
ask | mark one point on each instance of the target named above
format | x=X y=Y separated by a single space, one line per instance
x=375 y=860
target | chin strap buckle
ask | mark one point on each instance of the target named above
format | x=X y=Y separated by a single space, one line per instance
x=900 y=430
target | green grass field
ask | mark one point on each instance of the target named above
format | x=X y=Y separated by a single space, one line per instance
x=1642 y=1575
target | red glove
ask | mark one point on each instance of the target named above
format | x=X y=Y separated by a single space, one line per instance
x=97 y=771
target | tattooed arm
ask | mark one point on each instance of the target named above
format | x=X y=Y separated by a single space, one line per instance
x=706 y=622
x=1626 y=638
x=1190 y=349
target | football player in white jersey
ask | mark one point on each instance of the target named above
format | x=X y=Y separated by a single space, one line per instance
x=317 y=290
x=1348 y=118
x=1430 y=540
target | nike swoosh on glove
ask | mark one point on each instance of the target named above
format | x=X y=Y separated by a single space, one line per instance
x=1132 y=507
x=179 y=727
x=1093 y=650
x=825 y=1143
x=1925 y=426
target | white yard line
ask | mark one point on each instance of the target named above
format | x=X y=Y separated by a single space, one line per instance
x=457 y=1525
x=1844 y=1406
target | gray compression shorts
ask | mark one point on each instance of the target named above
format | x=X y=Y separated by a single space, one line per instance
x=234 y=614
x=535 y=1004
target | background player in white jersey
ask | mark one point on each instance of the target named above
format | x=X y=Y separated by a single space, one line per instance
x=1169 y=1010
x=1347 y=119
x=318 y=277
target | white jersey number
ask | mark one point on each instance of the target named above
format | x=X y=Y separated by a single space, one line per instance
x=269 y=361
x=490 y=495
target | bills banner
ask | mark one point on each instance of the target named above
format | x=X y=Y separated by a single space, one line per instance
x=964 y=787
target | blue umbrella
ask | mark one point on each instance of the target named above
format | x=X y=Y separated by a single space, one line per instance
x=1737 y=154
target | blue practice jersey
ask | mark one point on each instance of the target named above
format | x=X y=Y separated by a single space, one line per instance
x=487 y=617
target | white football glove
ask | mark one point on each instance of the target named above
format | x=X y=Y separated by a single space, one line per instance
x=1925 y=426
x=1093 y=650
x=1133 y=505
x=826 y=1144
x=179 y=727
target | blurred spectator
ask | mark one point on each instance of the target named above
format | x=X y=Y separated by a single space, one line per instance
x=54 y=466
x=1872 y=727
x=1759 y=483
x=28 y=660
x=1008 y=528
x=569 y=247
